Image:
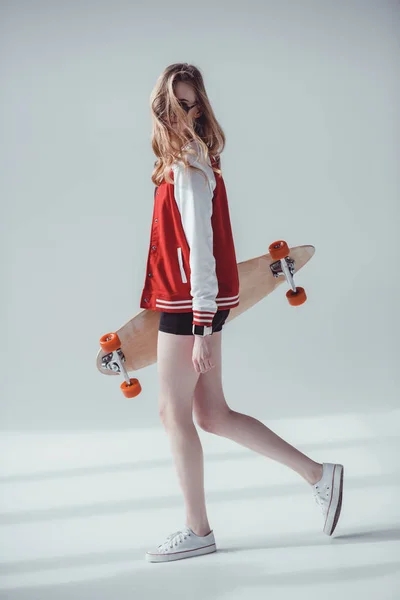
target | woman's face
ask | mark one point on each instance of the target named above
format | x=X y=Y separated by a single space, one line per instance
x=187 y=99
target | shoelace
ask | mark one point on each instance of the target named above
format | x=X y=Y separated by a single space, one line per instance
x=321 y=500
x=174 y=539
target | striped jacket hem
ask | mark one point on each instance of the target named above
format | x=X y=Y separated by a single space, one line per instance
x=200 y=317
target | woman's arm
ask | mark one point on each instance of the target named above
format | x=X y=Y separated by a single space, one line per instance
x=194 y=192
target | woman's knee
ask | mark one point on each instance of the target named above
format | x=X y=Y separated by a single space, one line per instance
x=213 y=421
x=174 y=412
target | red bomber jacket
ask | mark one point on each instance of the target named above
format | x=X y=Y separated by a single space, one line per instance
x=191 y=263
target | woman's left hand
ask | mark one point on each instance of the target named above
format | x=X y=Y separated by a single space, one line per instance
x=201 y=357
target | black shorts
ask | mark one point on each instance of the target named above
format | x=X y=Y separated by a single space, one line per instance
x=182 y=323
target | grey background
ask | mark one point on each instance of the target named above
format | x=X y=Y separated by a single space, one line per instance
x=308 y=95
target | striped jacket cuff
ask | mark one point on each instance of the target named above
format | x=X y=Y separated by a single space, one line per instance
x=202 y=317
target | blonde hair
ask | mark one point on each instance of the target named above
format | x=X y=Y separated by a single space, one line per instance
x=164 y=105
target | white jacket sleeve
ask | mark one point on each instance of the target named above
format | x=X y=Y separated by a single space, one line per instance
x=194 y=192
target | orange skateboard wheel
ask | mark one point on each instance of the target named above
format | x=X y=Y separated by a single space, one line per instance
x=131 y=390
x=296 y=298
x=279 y=250
x=110 y=342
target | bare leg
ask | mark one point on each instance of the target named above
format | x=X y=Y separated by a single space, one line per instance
x=214 y=415
x=177 y=380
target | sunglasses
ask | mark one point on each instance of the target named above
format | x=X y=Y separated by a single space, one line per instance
x=186 y=107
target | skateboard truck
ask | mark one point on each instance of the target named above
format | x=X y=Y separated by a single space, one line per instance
x=284 y=265
x=114 y=361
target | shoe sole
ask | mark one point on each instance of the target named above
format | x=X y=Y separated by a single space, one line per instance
x=180 y=555
x=335 y=506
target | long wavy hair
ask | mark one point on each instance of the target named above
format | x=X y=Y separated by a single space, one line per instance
x=165 y=106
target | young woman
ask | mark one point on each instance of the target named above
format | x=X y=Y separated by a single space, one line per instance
x=192 y=280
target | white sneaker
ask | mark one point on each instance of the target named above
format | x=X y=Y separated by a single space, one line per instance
x=328 y=494
x=182 y=544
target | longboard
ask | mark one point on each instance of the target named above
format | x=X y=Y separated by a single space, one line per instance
x=258 y=277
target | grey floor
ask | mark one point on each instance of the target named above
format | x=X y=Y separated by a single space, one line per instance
x=79 y=511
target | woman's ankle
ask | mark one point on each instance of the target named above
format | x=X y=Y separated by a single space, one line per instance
x=200 y=529
x=314 y=474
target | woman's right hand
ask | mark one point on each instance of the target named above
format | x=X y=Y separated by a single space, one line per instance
x=201 y=356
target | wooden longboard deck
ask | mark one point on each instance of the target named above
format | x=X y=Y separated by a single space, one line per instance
x=139 y=335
